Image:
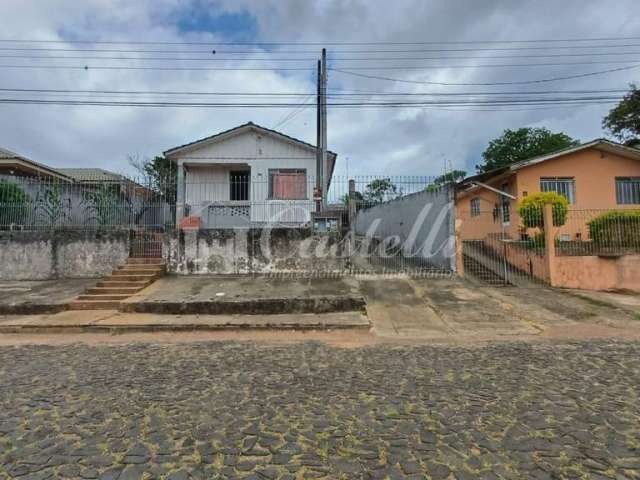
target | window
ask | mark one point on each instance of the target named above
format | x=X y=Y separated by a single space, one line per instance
x=239 y=185
x=505 y=204
x=475 y=207
x=628 y=190
x=288 y=184
x=565 y=186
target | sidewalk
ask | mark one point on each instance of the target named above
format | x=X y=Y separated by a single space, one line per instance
x=42 y=296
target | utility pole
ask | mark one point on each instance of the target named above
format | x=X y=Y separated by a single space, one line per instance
x=318 y=187
x=323 y=113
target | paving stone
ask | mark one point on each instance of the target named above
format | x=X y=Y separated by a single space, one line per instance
x=231 y=410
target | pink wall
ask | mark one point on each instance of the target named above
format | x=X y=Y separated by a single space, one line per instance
x=598 y=273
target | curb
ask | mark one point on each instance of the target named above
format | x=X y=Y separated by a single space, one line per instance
x=123 y=329
x=265 y=306
x=33 y=309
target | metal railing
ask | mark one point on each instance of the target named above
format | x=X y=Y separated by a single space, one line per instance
x=602 y=232
x=219 y=198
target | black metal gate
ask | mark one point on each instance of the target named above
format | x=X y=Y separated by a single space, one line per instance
x=146 y=244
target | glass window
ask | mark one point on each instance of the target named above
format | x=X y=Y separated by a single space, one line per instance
x=565 y=186
x=475 y=207
x=288 y=184
x=628 y=190
x=505 y=204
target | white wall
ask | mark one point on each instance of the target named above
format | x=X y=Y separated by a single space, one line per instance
x=258 y=151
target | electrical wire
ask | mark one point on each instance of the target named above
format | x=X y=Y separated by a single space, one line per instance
x=273 y=43
x=523 y=82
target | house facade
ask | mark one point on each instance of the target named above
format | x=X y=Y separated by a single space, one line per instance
x=595 y=176
x=246 y=176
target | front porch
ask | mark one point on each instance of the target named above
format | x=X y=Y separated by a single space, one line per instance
x=223 y=195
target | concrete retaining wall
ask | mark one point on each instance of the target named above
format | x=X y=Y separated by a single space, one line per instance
x=256 y=250
x=61 y=254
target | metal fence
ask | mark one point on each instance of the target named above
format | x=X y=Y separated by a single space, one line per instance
x=217 y=199
x=508 y=249
x=501 y=248
x=28 y=203
x=610 y=232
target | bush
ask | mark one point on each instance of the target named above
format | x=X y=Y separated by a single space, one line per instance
x=617 y=228
x=15 y=204
x=531 y=209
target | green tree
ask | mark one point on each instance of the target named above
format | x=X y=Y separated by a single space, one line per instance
x=623 y=121
x=15 y=204
x=522 y=144
x=448 y=178
x=379 y=190
x=159 y=174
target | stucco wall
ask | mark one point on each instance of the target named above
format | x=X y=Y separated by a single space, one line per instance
x=61 y=254
x=598 y=273
x=231 y=251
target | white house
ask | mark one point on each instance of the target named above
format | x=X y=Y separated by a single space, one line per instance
x=248 y=175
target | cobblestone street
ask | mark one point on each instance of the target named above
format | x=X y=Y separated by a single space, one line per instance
x=247 y=410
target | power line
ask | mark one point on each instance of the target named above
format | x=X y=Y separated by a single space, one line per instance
x=273 y=43
x=287 y=118
x=359 y=93
x=545 y=101
x=127 y=67
x=268 y=52
x=402 y=67
x=522 y=82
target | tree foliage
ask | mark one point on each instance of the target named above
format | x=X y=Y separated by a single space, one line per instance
x=448 y=178
x=380 y=190
x=521 y=144
x=159 y=174
x=623 y=121
x=531 y=209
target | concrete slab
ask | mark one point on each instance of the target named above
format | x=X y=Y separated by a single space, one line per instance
x=42 y=296
x=257 y=295
x=118 y=322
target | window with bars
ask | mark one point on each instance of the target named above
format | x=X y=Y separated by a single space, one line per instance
x=288 y=184
x=475 y=207
x=628 y=190
x=565 y=186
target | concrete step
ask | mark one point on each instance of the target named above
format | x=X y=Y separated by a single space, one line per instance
x=114 y=296
x=123 y=283
x=113 y=290
x=144 y=261
x=94 y=305
x=141 y=269
x=118 y=276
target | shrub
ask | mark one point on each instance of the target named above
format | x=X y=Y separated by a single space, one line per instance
x=15 y=204
x=617 y=228
x=531 y=209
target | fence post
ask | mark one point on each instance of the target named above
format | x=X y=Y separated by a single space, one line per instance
x=459 y=260
x=351 y=205
x=549 y=243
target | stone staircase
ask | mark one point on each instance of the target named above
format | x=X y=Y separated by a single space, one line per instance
x=123 y=282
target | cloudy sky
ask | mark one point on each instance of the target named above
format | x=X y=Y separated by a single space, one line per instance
x=398 y=141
